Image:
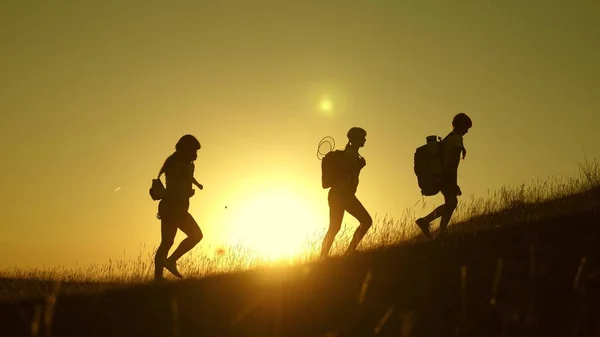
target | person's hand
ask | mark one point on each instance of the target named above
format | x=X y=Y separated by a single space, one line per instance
x=200 y=187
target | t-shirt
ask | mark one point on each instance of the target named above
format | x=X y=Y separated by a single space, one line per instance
x=179 y=178
x=453 y=140
x=349 y=182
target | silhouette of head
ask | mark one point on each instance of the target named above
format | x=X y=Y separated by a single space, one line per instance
x=357 y=136
x=462 y=123
x=188 y=146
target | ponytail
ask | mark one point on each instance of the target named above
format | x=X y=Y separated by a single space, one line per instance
x=166 y=164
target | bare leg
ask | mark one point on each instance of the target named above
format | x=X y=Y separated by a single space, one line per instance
x=194 y=235
x=444 y=211
x=450 y=206
x=168 y=231
x=336 y=215
x=436 y=213
x=356 y=209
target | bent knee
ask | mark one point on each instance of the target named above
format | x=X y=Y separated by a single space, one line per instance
x=367 y=221
x=196 y=237
x=451 y=205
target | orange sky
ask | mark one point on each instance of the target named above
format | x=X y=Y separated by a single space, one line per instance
x=94 y=96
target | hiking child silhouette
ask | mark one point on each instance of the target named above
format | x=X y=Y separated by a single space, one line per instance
x=340 y=171
x=452 y=147
x=173 y=213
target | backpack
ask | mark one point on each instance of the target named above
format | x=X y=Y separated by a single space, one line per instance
x=157 y=190
x=332 y=168
x=428 y=166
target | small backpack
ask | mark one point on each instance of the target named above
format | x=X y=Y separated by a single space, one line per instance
x=157 y=190
x=428 y=166
x=332 y=168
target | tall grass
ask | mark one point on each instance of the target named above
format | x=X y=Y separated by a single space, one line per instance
x=507 y=206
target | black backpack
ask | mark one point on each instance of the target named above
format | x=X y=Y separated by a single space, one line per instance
x=332 y=168
x=428 y=166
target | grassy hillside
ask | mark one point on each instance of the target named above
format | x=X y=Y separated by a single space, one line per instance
x=524 y=261
x=540 y=278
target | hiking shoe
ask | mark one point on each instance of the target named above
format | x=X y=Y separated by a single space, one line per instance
x=424 y=226
x=172 y=267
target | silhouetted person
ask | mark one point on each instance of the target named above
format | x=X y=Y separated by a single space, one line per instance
x=452 y=147
x=173 y=208
x=342 y=197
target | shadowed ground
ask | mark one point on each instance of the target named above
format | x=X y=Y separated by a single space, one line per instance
x=538 y=278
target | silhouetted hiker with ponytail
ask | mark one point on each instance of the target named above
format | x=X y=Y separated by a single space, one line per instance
x=452 y=147
x=340 y=171
x=174 y=203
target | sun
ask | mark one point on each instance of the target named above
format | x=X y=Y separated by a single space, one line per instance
x=275 y=224
x=326 y=105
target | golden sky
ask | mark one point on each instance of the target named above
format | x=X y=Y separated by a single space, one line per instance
x=94 y=95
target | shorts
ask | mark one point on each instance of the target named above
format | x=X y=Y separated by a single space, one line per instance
x=449 y=190
x=173 y=209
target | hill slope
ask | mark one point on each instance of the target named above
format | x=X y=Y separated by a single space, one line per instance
x=439 y=287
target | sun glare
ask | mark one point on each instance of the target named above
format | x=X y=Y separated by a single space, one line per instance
x=326 y=105
x=275 y=224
